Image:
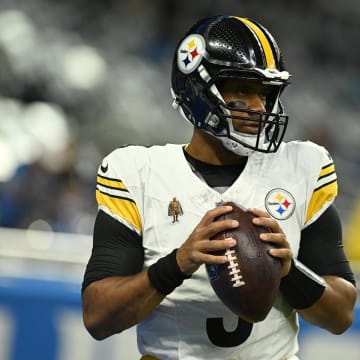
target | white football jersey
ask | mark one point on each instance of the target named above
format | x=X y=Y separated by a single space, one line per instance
x=295 y=185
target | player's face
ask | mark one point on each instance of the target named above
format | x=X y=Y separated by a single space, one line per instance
x=244 y=95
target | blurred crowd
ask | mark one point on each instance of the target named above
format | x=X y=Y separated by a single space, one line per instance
x=80 y=78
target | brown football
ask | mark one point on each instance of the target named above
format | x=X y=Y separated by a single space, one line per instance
x=249 y=282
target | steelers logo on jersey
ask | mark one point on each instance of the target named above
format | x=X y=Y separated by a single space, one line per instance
x=280 y=204
x=190 y=53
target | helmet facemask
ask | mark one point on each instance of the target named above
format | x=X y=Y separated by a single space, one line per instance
x=219 y=122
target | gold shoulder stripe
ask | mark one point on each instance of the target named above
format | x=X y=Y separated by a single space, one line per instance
x=270 y=60
x=107 y=178
x=327 y=175
x=113 y=195
x=111 y=183
x=123 y=207
x=320 y=196
x=325 y=184
x=326 y=170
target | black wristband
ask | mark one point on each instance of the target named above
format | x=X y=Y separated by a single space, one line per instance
x=165 y=275
x=301 y=287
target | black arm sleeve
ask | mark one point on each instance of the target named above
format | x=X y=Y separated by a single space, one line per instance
x=321 y=247
x=117 y=251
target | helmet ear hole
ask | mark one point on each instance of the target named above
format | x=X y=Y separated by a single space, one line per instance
x=183 y=86
x=189 y=90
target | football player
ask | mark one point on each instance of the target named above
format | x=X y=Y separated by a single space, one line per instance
x=147 y=270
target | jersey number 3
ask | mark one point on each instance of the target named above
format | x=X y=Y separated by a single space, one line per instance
x=222 y=338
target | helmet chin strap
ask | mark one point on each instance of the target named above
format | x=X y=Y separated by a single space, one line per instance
x=239 y=149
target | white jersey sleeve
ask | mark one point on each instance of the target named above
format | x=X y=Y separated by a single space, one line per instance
x=119 y=185
x=322 y=189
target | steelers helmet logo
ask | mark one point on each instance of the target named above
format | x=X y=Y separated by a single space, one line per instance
x=190 y=53
x=280 y=204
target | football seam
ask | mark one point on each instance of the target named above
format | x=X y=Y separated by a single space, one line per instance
x=235 y=272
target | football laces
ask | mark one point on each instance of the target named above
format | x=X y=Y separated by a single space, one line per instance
x=235 y=273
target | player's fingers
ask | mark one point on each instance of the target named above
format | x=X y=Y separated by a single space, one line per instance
x=268 y=222
x=220 y=226
x=263 y=219
x=258 y=212
x=206 y=232
x=208 y=252
x=278 y=239
x=285 y=255
x=214 y=259
x=281 y=253
x=191 y=257
x=210 y=215
x=216 y=245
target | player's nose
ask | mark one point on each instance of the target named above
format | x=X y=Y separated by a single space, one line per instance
x=255 y=102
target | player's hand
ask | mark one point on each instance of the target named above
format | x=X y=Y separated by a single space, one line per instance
x=276 y=237
x=195 y=250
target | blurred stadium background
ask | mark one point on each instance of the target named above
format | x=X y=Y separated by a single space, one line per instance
x=80 y=78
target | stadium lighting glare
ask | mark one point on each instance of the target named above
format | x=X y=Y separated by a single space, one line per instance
x=83 y=67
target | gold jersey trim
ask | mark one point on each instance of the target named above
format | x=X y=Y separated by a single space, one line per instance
x=111 y=183
x=113 y=195
x=327 y=170
x=326 y=190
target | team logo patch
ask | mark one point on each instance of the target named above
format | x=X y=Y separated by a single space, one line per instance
x=280 y=204
x=190 y=53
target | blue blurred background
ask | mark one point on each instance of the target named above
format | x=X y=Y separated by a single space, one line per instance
x=80 y=78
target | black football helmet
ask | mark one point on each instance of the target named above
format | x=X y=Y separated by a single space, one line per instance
x=229 y=47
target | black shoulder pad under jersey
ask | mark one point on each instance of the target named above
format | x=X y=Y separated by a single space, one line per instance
x=117 y=250
x=322 y=249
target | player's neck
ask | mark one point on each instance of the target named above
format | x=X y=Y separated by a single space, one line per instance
x=208 y=149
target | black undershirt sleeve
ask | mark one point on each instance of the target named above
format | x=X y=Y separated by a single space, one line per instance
x=117 y=250
x=322 y=249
